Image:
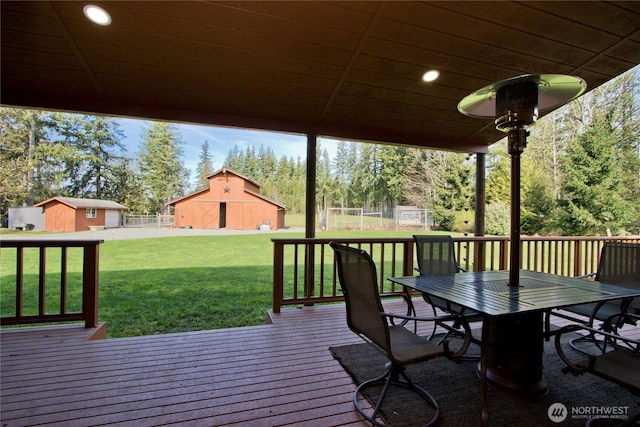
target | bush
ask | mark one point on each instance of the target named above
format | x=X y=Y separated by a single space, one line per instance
x=445 y=218
x=497 y=219
x=464 y=227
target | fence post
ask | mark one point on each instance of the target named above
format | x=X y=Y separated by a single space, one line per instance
x=577 y=258
x=504 y=254
x=309 y=270
x=407 y=261
x=479 y=260
x=278 y=275
x=90 y=279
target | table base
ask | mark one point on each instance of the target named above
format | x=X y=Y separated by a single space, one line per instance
x=514 y=353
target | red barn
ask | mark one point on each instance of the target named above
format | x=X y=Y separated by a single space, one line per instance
x=75 y=214
x=231 y=201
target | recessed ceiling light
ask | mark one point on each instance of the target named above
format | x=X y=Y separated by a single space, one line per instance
x=430 y=75
x=97 y=14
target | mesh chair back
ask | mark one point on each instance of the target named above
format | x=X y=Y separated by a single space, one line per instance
x=358 y=278
x=620 y=265
x=436 y=255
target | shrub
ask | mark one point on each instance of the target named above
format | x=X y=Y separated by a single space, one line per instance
x=497 y=219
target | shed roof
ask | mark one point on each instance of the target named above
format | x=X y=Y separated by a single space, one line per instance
x=79 y=203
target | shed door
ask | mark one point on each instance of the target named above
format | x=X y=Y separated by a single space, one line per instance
x=112 y=218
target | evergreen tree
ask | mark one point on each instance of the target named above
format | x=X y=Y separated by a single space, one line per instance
x=344 y=164
x=126 y=187
x=94 y=145
x=324 y=182
x=593 y=202
x=235 y=159
x=160 y=165
x=498 y=186
x=393 y=164
x=24 y=178
x=205 y=166
x=418 y=188
x=453 y=190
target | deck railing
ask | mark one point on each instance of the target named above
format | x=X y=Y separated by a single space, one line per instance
x=304 y=271
x=47 y=302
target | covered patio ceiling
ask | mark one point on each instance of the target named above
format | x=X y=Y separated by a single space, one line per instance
x=349 y=70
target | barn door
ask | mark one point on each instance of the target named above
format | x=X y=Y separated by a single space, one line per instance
x=223 y=215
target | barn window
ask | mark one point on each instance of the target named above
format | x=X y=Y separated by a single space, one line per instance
x=91 y=213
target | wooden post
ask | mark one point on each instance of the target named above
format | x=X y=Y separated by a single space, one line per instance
x=310 y=202
x=90 y=285
x=278 y=275
x=310 y=217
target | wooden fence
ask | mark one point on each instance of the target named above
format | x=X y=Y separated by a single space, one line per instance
x=51 y=303
x=304 y=271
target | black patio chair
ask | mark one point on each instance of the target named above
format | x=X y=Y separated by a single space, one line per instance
x=617 y=361
x=367 y=318
x=436 y=257
x=619 y=265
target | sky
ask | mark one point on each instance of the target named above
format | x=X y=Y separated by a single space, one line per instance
x=221 y=140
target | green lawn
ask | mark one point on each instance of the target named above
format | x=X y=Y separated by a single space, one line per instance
x=168 y=284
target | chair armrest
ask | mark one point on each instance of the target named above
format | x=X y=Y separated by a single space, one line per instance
x=615 y=339
x=448 y=318
x=612 y=323
x=584 y=276
x=410 y=308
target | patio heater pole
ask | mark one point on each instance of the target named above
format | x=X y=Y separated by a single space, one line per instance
x=516 y=108
x=517 y=141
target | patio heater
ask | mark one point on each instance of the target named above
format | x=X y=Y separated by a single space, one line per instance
x=514 y=104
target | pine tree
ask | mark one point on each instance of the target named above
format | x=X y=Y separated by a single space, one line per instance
x=94 y=144
x=205 y=166
x=160 y=165
x=593 y=202
x=23 y=179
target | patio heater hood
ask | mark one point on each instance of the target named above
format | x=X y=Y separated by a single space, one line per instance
x=514 y=104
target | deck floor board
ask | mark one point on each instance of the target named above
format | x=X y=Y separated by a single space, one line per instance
x=275 y=374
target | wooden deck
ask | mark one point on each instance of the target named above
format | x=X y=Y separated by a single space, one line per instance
x=275 y=374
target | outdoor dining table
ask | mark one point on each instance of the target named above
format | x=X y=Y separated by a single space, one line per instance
x=513 y=330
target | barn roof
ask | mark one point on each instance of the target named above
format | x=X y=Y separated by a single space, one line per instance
x=266 y=199
x=225 y=170
x=79 y=203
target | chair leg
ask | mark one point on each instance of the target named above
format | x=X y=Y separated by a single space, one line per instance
x=394 y=376
x=590 y=338
x=452 y=331
x=484 y=351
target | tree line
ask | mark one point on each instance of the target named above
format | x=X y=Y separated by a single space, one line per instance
x=580 y=172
